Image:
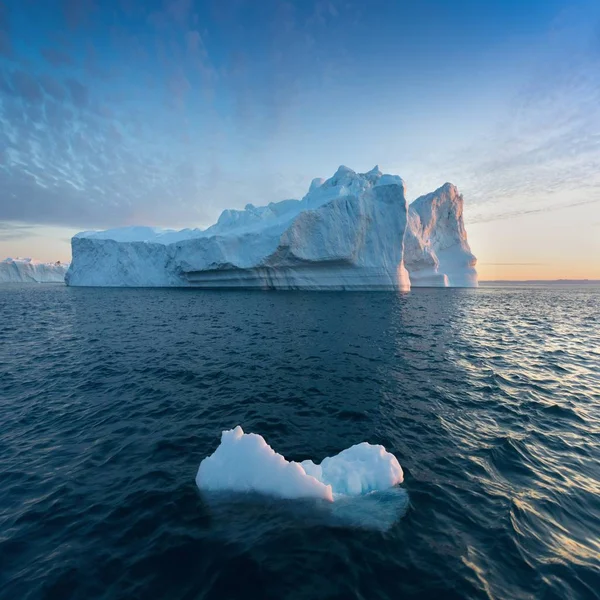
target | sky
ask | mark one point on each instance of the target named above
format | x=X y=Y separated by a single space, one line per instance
x=166 y=112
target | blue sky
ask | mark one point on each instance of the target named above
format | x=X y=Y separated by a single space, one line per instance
x=165 y=112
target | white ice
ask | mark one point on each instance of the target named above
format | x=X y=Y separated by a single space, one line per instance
x=353 y=231
x=436 y=250
x=244 y=462
x=28 y=270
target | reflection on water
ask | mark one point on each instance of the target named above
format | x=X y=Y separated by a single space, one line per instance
x=377 y=511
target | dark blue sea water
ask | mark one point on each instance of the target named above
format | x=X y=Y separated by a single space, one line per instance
x=110 y=398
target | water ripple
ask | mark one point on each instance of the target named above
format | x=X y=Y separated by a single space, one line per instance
x=489 y=398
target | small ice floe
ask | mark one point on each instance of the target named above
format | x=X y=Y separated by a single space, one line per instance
x=358 y=484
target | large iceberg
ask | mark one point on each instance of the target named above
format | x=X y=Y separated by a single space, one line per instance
x=348 y=233
x=244 y=462
x=27 y=270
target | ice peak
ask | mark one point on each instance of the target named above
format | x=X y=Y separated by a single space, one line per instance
x=342 y=176
x=317 y=182
x=445 y=193
x=449 y=192
x=343 y=169
x=448 y=188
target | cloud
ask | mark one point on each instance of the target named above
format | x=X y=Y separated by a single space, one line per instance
x=323 y=11
x=52 y=87
x=58 y=115
x=77 y=12
x=179 y=86
x=25 y=86
x=14 y=231
x=79 y=93
x=179 y=10
x=5 y=44
x=91 y=65
x=501 y=216
x=56 y=58
x=98 y=154
x=87 y=169
x=5 y=41
x=194 y=42
x=546 y=142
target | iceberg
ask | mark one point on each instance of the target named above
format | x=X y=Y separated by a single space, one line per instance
x=436 y=250
x=27 y=270
x=244 y=462
x=353 y=231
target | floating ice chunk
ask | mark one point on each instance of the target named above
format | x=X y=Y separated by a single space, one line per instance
x=357 y=470
x=246 y=463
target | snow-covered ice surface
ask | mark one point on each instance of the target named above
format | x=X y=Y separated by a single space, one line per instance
x=355 y=488
x=347 y=233
x=244 y=462
x=27 y=270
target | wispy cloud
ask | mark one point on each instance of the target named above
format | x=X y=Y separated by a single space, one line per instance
x=501 y=216
x=56 y=58
x=173 y=120
x=548 y=142
x=14 y=231
x=79 y=93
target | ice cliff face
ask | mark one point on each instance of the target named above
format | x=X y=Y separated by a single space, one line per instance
x=435 y=244
x=347 y=233
x=26 y=270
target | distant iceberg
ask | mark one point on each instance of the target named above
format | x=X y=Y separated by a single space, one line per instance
x=353 y=231
x=27 y=270
x=244 y=462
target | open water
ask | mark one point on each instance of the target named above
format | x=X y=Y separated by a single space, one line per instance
x=110 y=398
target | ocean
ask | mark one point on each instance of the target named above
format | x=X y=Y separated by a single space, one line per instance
x=110 y=398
